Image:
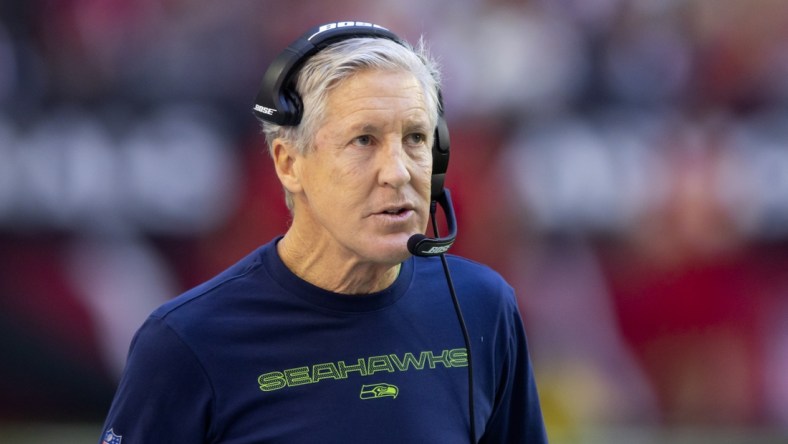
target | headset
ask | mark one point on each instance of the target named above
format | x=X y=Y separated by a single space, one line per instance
x=278 y=102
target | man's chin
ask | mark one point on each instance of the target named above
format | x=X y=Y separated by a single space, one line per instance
x=393 y=249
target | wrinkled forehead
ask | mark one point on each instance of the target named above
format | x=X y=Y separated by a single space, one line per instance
x=381 y=92
x=385 y=94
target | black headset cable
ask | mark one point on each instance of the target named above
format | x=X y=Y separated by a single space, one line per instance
x=463 y=327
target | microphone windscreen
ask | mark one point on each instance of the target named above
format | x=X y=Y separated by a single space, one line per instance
x=413 y=243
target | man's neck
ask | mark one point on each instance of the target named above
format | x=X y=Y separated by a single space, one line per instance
x=316 y=264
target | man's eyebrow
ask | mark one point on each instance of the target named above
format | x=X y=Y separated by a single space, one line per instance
x=364 y=127
x=369 y=128
x=409 y=126
x=417 y=125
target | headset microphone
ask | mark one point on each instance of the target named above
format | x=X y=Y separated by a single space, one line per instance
x=421 y=245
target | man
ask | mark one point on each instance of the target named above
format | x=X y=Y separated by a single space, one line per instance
x=334 y=332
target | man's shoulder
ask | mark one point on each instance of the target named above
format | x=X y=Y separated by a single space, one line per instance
x=220 y=290
x=476 y=271
x=470 y=276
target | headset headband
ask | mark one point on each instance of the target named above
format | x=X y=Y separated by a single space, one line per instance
x=277 y=102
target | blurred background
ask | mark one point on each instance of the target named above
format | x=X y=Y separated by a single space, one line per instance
x=623 y=163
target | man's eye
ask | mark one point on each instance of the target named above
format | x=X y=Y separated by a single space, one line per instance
x=362 y=141
x=416 y=138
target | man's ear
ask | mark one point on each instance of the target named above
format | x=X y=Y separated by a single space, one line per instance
x=286 y=157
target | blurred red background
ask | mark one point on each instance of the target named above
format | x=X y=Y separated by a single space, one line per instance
x=624 y=164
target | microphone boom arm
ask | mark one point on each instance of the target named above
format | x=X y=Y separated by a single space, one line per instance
x=421 y=245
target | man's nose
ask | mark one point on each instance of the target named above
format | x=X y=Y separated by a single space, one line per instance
x=393 y=164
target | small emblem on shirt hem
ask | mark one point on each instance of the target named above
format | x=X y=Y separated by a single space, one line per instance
x=111 y=438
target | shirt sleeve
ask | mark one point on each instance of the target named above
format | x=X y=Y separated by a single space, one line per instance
x=164 y=394
x=517 y=414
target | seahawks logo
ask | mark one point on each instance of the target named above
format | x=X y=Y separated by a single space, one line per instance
x=374 y=391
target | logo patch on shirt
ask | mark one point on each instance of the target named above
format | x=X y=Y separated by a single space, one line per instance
x=374 y=391
x=111 y=438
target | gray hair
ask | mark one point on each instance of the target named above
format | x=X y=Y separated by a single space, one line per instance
x=340 y=61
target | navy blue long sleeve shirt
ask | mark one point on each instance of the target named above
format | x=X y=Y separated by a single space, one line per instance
x=257 y=355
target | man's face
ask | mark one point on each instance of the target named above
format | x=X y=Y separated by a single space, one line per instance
x=366 y=182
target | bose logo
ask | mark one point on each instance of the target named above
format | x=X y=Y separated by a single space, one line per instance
x=264 y=110
x=330 y=26
x=438 y=250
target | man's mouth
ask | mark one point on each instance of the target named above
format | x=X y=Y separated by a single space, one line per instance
x=395 y=211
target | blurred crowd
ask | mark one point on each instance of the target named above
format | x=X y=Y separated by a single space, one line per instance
x=623 y=163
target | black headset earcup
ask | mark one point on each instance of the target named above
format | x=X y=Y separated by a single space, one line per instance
x=295 y=106
x=440 y=157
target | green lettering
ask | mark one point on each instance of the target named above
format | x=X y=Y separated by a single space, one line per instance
x=443 y=358
x=344 y=369
x=408 y=360
x=458 y=357
x=271 y=381
x=390 y=363
x=297 y=376
x=380 y=364
x=325 y=371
